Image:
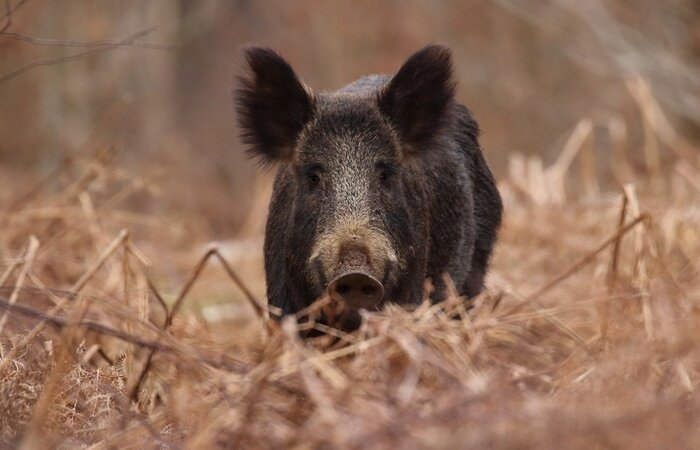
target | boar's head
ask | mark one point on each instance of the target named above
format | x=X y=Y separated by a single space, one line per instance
x=357 y=214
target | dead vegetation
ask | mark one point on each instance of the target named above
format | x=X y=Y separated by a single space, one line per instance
x=587 y=336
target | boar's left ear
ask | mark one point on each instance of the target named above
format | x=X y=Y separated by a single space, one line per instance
x=418 y=96
x=272 y=104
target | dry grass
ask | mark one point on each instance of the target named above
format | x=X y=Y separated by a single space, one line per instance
x=586 y=338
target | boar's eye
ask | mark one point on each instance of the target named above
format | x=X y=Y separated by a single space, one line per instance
x=314 y=179
x=312 y=174
x=386 y=172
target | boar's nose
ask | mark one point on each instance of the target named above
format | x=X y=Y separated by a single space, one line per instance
x=357 y=290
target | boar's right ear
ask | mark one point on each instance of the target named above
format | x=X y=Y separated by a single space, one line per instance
x=418 y=96
x=272 y=104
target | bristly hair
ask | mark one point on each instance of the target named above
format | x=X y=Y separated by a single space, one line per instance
x=272 y=105
x=418 y=96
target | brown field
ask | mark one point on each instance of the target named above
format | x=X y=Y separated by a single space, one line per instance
x=131 y=317
x=587 y=336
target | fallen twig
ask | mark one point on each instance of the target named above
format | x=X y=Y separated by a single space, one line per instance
x=61 y=323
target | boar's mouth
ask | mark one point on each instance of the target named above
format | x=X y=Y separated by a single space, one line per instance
x=357 y=289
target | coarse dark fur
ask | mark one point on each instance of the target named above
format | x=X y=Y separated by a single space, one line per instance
x=387 y=168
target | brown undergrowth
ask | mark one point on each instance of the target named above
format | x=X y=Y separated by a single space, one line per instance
x=586 y=337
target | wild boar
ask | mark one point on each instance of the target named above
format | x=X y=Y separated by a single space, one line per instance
x=379 y=186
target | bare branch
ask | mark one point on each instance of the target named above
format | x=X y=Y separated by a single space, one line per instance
x=214 y=251
x=126 y=42
x=45 y=42
x=8 y=13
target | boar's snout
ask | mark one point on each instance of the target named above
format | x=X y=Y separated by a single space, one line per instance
x=357 y=290
x=350 y=259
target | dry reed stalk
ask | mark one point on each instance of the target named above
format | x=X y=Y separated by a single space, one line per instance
x=617 y=131
x=10 y=270
x=91 y=217
x=323 y=367
x=690 y=174
x=28 y=258
x=581 y=263
x=641 y=93
x=76 y=288
x=615 y=254
x=660 y=126
x=556 y=174
x=612 y=277
x=547 y=186
x=641 y=277
x=589 y=169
